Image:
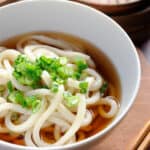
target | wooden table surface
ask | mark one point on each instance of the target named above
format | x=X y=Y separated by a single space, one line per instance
x=122 y=136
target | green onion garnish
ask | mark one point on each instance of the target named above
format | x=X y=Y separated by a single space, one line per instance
x=54 y=87
x=83 y=87
x=70 y=100
x=104 y=88
x=26 y=72
x=63 y=60
x=36 y=106
x=31 y=102
x=17 y=97
x=10 y=86
x=81 y=64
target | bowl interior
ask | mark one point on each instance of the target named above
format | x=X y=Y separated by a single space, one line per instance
x=67 y=17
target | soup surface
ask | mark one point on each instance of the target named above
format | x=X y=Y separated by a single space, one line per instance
x=30 y=96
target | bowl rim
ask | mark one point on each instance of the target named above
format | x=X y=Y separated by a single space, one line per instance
x=120 y=117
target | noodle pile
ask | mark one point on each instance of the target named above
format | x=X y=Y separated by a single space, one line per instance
x=52 y=112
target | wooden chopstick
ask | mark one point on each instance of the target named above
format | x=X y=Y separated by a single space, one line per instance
x=5 y=2
x=142 y=142
x=145 y=144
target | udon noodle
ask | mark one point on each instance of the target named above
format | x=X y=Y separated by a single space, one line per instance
x=57 y=111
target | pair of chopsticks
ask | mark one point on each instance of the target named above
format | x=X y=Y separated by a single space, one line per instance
x=142 y=142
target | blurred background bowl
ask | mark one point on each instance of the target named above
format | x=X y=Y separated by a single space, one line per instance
x=116 y=7
x=133 y=16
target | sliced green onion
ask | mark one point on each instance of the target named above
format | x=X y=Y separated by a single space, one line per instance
x=30 y=99
x=17 y=97
x=60 y=81
x=104 y=88
x=26 y=72
x=55 y=65
x=10 y=86
x=70 y=100
x=36 y=105
x=65 y=72
x=83 y=87
x=77 y=75
x=63 y=60
x=44 y=63
x=81 y=64
x=31 y=102
x=54 y=87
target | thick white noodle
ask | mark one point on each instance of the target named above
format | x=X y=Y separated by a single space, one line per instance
x=29 y=54
x=42 y=92
x=57 y=132
x=18 y=86
x=8 y=67
x=2 y=114
x=113 y=107
x=32 y=52
x=42 y=51
x=87 y=119
x=65 y=113
x=76 y=124
x=72 y=140
x=51 y=108
x=92 y=100
x=8 y=54
x=15 y=108
x=60 y=122
x=71 y=55
x=70 y=117
x=46 y=78
x=47 y=40
x=72 y=83
x=28 y=138
x=2 y=101
x=24 y=126
x=98 y=79
x=4 y=77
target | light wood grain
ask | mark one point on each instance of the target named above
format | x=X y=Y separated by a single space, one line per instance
x=143 y=139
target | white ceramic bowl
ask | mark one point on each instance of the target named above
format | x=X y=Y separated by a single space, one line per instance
x=84 y=22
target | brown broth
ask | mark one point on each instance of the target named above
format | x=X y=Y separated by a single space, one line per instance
x=103 y=66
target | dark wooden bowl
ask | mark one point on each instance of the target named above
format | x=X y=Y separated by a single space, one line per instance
x=115 y=9
x=133 y=17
